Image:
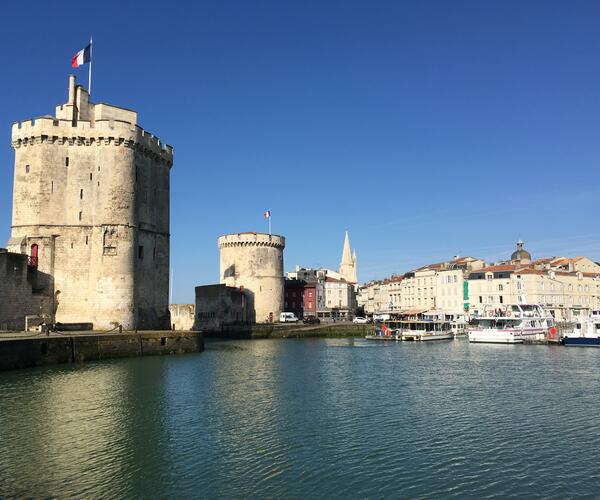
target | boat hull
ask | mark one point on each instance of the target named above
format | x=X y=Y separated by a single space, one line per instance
x=581 y=341
x=424 y=337
x=494 y=338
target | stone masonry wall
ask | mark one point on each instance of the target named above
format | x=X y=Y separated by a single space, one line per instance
x=94 y=196
x=254 y=261
x=20 y=294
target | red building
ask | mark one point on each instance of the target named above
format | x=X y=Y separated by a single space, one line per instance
x=310 y=299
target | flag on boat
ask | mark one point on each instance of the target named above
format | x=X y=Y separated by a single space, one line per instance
x=82 y=57
x=267 y=214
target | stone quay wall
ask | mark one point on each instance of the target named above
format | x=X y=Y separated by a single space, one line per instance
x=42 y=350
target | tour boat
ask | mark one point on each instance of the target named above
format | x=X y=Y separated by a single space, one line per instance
x=383 y=333
x=586 y=332
x=424 y=330
x=514 y=325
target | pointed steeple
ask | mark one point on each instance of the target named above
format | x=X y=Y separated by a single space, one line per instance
x=348 y=264
x=346 y=255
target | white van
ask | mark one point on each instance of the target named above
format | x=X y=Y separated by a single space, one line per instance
x=287 y=318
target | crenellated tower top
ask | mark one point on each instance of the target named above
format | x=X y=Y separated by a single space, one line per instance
x=82 y=123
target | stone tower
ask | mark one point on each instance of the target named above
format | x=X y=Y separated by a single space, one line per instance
x=348 y=264
x=91 y=201
x=254 y=261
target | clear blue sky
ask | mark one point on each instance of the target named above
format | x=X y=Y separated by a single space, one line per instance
x=425 y=128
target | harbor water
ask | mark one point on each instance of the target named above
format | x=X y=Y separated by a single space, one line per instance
x=318 y=418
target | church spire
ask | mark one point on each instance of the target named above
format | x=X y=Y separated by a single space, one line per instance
x=348 y=264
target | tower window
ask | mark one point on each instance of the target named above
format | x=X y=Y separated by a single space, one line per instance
x=90 y=176
x=98 y=168
x=52 y=186
x=140 y=252
x=81 y=194
x=26 y=169
x=67 y=161
x=80 y=214
x=86 y=240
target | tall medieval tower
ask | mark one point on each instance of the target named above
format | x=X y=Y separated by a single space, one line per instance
x=91 y=208
x=348 y=264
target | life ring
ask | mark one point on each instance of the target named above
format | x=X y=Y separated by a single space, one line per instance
x=508 y=313
x=490 y=314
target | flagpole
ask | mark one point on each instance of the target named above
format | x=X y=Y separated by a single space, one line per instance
x=90 y=73
x=269 y=221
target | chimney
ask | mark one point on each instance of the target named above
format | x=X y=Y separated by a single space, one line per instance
x=71 y=89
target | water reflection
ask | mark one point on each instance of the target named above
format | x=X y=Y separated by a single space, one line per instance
x=307 y=418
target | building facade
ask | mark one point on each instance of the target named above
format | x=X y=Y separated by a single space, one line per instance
x=91 y=209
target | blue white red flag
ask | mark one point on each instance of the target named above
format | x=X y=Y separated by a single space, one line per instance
x=267 y=214
x=82 y=57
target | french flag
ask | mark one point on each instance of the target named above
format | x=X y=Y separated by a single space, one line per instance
x=82 y=57
x=267 y=214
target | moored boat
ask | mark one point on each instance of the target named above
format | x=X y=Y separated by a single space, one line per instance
x=515 y=324
x=586 y=332
x=383 y=333
x=425 y=330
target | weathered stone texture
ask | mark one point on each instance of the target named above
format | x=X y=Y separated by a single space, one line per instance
x=182 y=316
x=91 y=189
x=254 y=261
x=23 y=291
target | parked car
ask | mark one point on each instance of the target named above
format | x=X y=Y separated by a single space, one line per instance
x=381 y=317
x=311 y=320
x=287 y=317
x=360 y=319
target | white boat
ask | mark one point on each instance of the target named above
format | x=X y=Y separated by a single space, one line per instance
x=586 y=332
x=515 y=324
x=425 y=330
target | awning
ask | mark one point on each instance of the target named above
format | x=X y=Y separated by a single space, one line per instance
x=412 y=312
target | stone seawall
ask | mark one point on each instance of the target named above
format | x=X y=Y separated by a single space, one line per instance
x=277 y=330
x=78 y=348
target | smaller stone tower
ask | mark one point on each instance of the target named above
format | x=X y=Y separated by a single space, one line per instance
x=348 y=264
x=254 y=261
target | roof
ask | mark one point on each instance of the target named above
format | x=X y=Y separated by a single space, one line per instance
x=495 y=268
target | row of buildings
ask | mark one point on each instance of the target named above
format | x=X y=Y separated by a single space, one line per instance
x=324 y=293
x=466 y=286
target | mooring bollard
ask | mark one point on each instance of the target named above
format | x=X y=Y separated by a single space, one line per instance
x=120 y=328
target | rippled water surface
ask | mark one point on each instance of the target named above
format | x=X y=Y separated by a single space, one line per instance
x=308 y=419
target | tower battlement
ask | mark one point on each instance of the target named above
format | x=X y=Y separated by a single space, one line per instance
x=251 y=239
x=50 y=130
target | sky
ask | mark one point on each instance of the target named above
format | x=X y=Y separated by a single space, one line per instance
x=426 y=129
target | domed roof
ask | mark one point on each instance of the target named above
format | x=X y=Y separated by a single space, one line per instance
x=520 y=253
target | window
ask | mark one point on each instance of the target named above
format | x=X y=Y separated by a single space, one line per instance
x=86 y=240
x=500 y=288
x=480 y=299
x=90 y=176
x=140 y=252
x=26 y=169
x=81 y=194
x=501 y=299
x=80 y=215
x=67 y=161
x=52 y=186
